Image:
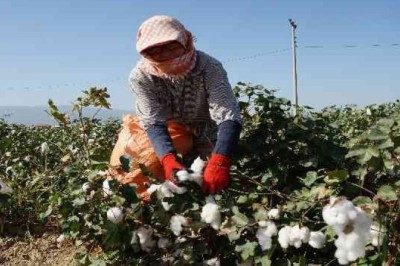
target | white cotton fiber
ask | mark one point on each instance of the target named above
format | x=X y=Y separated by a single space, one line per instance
x=274 y=214
x=115 y=215
x=145 y=238
x=352 y=226
x=176 y=223
x=264 y=234
x=317 y=240
x=211 y=214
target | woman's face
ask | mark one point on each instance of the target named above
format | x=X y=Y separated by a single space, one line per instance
x=165 y=52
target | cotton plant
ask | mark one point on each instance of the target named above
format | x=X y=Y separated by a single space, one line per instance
x=352 y=226
x=210 y=213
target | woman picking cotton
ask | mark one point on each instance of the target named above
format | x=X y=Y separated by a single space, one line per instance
x=175 y=84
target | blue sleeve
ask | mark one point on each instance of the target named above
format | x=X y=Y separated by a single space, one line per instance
x=160 y=139
x=228 y=137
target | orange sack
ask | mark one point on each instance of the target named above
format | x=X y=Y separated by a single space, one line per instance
x=134 y=143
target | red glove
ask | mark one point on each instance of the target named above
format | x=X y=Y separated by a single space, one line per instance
x=170 y=164
x=216 y=174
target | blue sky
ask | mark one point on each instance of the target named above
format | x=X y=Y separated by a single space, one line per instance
x=55 y=49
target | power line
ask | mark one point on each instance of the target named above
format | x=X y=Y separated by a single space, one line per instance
x=255 y=55
x=235 y=59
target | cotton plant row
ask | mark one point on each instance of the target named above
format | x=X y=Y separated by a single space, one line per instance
x=353 y=227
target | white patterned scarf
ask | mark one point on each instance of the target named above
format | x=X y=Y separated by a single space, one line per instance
x=159 y=30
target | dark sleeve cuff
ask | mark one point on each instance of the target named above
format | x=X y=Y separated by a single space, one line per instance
x=228 y=138
x=160 y=140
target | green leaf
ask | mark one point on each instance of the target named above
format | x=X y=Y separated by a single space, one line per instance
x=78 y=202
x=362 y=200
x=312 y=162
x=235 y=234
x=387 y=192
x=356 y=152
x=373 y=151
x=336 y=177
x=310 y=178
x=263 y=261
x=376 y=134
x=385 y=122
x=386 y=144
x=47 y=213
x=243 y=199
x=239 y=218
x=246 y=250
x=261 y=214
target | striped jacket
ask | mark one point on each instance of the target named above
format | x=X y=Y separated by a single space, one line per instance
x=203 y=97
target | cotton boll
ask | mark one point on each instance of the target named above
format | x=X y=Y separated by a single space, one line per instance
x=274 y=214
x=167 y=206
x=115 y=215
x=163 y=243
x=343 y=261
x=198 y=165
x=264 y=239
x=304 y=234
x=298 y=235
x=153 y=188
x=106 y=188
x=44 y=148
x=212 y=262
x=181 y=240
x=174 y=188
x=270 y=227
x=145 y=238
x=165 y=191
x=85 y=187
x=4 y=188
x=263 y=223
x=176 y=223
x=197 y=178
x=210 y=214
x=182 y=175
x=317 y=240
x=60 y=239
x=283 y=236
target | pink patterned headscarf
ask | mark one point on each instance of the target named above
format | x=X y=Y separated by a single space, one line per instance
x=159 y=30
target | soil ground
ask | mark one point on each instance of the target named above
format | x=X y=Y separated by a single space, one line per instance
x=32 y=251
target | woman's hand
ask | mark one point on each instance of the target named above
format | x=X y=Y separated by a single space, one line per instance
x=171 y=166
x=216 y=174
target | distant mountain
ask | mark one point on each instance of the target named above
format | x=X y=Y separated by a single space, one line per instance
x=33 y=115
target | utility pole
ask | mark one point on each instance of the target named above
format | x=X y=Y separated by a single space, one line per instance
x=295 y=97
